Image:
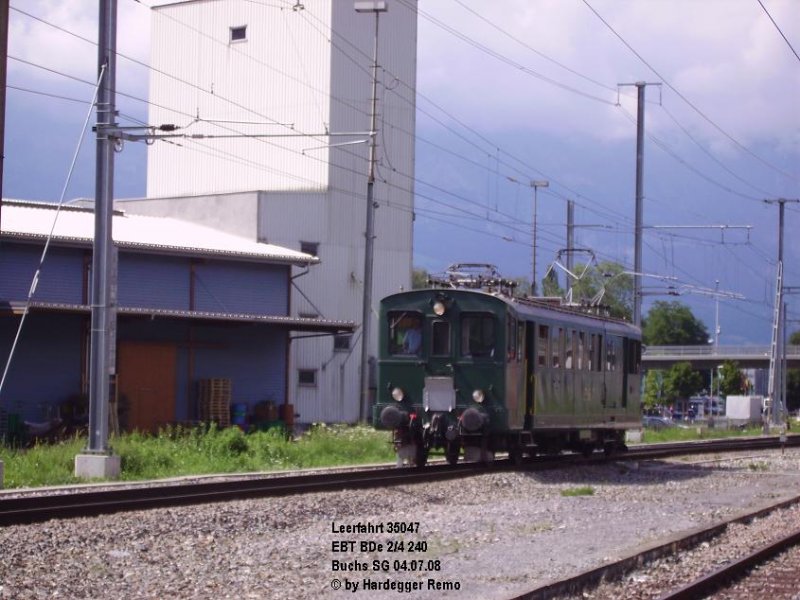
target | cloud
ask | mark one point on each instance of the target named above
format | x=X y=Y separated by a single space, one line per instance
x=724 y=56
x=63 y=54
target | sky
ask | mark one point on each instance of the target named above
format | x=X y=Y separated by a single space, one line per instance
x=516 y=91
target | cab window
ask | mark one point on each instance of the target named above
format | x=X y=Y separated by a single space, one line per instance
x=477 y=335
x=405 y=333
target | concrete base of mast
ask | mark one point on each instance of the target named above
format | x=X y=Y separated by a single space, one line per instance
x=97 y=466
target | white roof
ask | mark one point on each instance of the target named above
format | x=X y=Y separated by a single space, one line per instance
x=34 y=220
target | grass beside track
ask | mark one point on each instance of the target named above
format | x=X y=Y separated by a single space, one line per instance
x=695 y=432
x=185 y=451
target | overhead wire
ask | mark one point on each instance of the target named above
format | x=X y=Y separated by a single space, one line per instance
x=705 y=117
x=785 y=39
x=482 y=206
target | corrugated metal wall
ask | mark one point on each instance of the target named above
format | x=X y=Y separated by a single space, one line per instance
x=61 y=279
x=241 y=288
x=253 y=356
x=47 y=366
x=272 y=83
x=153 y=281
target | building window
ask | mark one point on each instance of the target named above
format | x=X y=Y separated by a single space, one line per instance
x=341 y=341
x=308 y=315
x=311 y=248
x=307 y=377
x=239 y=34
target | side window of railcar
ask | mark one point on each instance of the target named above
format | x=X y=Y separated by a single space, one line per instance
x=477 y=335
x=611 y=354
x=520 y=340
x=569 y=354
x=405 y=333
x=511 y=337
x=557 y=347
x=440 y=344
x=597 y=351
x=542 y=346
x=582 y=351
x=635 y=357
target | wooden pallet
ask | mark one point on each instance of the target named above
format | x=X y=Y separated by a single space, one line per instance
x=215 y=401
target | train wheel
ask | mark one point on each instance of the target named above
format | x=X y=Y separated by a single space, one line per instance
x=517 y=457
x=451 y=452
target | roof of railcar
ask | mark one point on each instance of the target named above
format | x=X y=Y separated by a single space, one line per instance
x=535 y=307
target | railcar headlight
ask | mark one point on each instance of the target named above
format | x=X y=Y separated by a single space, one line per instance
x=478 y=396
x=398 y=394
x=439 y=308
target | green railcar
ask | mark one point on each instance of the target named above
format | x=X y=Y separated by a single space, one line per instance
x=479 y=371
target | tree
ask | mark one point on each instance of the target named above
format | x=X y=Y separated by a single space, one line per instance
x=653 y=389
x=609 y=277
x=550 y=287
x=523 y=286
x=672 y=324
x=731 y=379
x=419 y=279
x=681 y=382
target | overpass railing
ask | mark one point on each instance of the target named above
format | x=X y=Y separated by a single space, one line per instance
x=711 y=351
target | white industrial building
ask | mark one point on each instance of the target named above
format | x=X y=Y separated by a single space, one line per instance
x=274 y=100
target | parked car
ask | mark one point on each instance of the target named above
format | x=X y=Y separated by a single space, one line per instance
x=652 y=422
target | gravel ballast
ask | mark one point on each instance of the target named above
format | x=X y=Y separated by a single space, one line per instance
x=490 y=536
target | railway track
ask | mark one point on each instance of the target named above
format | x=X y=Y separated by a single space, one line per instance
x=739 y=580
x=772 y=567
x=87 y=503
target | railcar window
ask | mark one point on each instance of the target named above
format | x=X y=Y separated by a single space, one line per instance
x=477 y=335
x=569 y=354
x=405 y=333
x=511 y=337
x=441 y=338
x=557 y=347
x=597 y=350
x=542 y=345
x=582 y=350
x=611 y=354
x=635 y=357
x=520 y=340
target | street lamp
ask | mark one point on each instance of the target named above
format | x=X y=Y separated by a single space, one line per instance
x=377 y=7
x=536 y=185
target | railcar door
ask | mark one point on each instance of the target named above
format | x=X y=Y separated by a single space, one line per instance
x=614 y=376
x=530 y=372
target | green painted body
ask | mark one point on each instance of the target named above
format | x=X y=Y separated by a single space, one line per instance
x=579 y=384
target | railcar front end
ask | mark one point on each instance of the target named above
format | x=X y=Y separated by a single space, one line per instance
x=443 y=374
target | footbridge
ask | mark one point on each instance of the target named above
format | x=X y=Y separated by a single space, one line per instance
x=708 y=357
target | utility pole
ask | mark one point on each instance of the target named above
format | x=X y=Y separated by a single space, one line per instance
x=3 y=68
x=637 y=255
x=535 y=185
x=776 y=405
x=96 y=461
x=570 y=242
x=377 y=7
